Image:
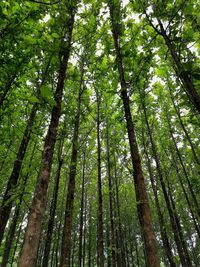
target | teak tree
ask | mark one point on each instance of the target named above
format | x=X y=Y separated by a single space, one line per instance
x=99 y=130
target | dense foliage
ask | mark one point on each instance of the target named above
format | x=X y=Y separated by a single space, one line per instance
x=99 y=130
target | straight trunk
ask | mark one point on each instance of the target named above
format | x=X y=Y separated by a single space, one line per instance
x=163 y=232
x=193 y=195
x=184 y=129
x=50 y=227
x=11 y=233
x=144 y=214
x=167 y=200
x=186 y=195
x=80 y=254
x=7 y=201
x=179 y=229
x=100 y=245
x=32 y=235
x=179 y=68
x=118 y=229
x=110 y=187
x=67 y=229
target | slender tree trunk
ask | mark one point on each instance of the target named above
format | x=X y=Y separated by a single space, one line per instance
x=80 y=254
x=179 y=68
x=9 y=83
x=167 y=200
x=118 y=230
x=85 y=230
x=67 y=229
x=100 y=243
x=7 y=201
x=32 y=235
x=193 y=195
x=179 y=228
x=108 y=243
x=11 y=233
x=163 y=232
x=110 y=187
x=16 y=244
x=185 y=194
x=50 y=227
x=144 y=214
x=90 y=238
x=184 y=129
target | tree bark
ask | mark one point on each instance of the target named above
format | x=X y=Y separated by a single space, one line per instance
x=144 y=214
x=163 y=232
x=80 y=253
x=67 y=229
x=29 y=251
x=180 y=71
x=50 y=227
x=100 y=243
x=7 y=201
x=167 y=199
x=110 y=187
x=11 y=233
x=185 y=130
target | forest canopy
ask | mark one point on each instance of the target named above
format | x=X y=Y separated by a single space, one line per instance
x=99 y=133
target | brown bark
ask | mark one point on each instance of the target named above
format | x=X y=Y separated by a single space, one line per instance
x=144 y=214
x=100 y=244
x=90 y=238
x=186 y=194
x=11 y=233
x=184 y=129
x=187 y=258
x=30 y=247
x=52 y=215
x=7 y=201
x=110 y=187
x=163 y=232
x=193 y=195
x=180 y=70
x=80 y=253
x=67 y=229
x=167 y=199
x=118 y=229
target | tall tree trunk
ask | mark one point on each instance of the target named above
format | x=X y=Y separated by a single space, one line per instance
x=144 y=214
x=90 y=237
x=184 y=129
x=118 y=229
x=100 y=243
x=7 y=201
x=67 y=229
x=52 y=215
x=180 y=71
x=110 y=187
x=11 y=233
x=80 y=253
x=163 y=232
x=167 y=200
x=185 y=194
x=180 y=232
x=32 y=235
x=193 y=195
x=85 y=230
x=16 y=243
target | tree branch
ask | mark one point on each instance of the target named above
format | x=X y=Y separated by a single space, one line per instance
x=43 y=3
